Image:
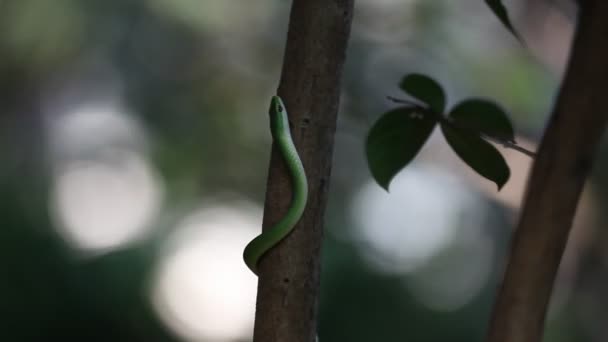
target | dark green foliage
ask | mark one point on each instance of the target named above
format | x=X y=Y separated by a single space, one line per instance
x=395 y=140
x=424 y=89
x=501 y=12
x=483 y=116
x=399 y=134
x=480 y=155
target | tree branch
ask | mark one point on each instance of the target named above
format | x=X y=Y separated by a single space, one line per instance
x=310 y=87
x=564 y=160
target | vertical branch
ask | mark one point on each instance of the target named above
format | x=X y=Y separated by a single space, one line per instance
x=564 y=160
x=310 y=87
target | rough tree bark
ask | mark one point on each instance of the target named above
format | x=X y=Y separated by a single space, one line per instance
x=565 y=157
x=310 y=87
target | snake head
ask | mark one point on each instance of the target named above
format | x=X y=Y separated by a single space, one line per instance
x=279 y=123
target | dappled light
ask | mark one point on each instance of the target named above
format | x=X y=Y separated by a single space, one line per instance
x=420 y=216
x=101 y=206
x=457 y=275
x=202 y=288
x=431 y=230
x=105 y=193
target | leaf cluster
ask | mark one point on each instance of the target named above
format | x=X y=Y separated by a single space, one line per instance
x=397 y=137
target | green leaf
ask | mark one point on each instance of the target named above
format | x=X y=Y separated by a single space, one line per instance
x=483 y=116
x=478 y=154
x=424 y=89
x=501 y=12
x=394 y=141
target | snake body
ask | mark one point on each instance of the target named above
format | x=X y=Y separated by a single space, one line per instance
x=281 y=135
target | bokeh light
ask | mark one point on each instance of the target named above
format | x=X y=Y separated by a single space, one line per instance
x=203 y=290
x=106 y=205
x=401 y=230
x=105 y=193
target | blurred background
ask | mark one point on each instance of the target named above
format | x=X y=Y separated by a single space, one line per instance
x=134 y=147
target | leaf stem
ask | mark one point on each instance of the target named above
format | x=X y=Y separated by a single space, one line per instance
x=407 y=102
x=441 y=119
x=510 y=144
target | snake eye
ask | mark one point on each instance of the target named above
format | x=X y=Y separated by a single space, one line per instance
x=279 y=108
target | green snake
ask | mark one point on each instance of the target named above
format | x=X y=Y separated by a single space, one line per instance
x=279 y=127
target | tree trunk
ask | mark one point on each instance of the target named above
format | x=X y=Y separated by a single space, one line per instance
x=564 y=160
x=310 y=87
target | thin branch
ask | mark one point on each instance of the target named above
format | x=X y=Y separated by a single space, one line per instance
x=565 y=157
x=288 y=285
